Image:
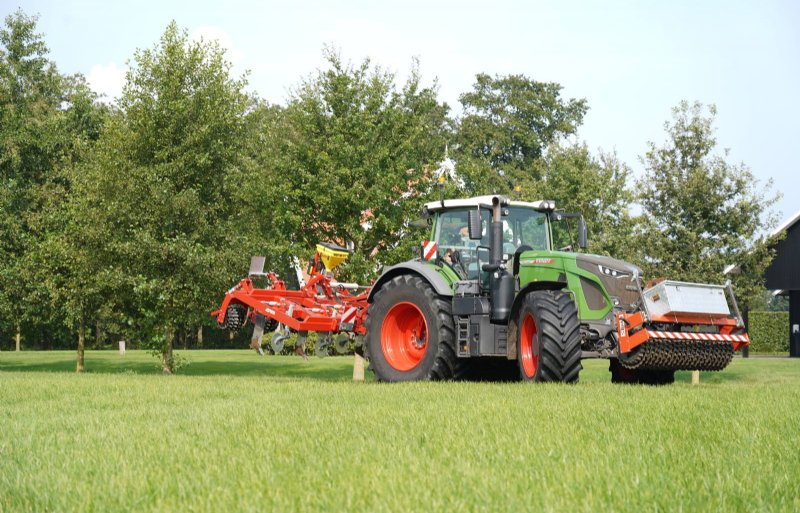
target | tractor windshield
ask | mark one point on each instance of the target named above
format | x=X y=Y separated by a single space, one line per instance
x=522 y=226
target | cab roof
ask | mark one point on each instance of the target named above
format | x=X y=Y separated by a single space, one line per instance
x=487 y=200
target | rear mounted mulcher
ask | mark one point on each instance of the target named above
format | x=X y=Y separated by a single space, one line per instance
x=683 y=326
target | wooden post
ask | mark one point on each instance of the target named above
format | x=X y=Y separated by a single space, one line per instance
x=200 y=336
x=79 y=367
x=19 y=337
x=358 y=368
x=695 y=377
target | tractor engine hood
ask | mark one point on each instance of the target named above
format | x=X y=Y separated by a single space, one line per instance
x=620 y=279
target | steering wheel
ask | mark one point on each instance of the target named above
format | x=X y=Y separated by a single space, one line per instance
x=458 y=264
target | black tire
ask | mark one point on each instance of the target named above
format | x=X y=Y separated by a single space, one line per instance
x=620 y=374
x=235 y=317
x=554 y=339
x=438 y=358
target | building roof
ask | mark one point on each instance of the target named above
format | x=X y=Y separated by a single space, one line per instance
x=487 y=200
x=788 y=223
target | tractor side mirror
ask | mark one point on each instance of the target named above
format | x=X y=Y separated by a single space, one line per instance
x=582 y=235
x=474 y=222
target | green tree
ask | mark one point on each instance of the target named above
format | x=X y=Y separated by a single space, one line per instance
x=355 y=162
x=163 y=184
x=597 y=187
x=701 y=212
x=508 y=124
x=46 y=120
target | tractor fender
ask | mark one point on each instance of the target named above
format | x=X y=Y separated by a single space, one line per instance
x=511 y=346
x=424 y=271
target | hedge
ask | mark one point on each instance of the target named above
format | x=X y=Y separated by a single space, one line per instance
x=769 y=332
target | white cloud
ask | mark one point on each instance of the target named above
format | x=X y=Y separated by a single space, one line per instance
x=212 y=33
x=107 y=80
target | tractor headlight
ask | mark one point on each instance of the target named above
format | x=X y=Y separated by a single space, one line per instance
x=612 y=272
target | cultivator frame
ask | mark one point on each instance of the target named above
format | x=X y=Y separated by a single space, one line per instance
x=321 y=305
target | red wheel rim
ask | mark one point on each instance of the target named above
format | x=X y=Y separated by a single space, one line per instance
x=404 y=336
x=527 y=355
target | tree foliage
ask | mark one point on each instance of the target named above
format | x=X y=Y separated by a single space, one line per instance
x=596 y=187
x=46 y=121
x=355 y=160
x=155 y=200
x=701 y=212
x=508 y=124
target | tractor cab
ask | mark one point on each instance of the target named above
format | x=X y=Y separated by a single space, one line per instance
x=526 y=226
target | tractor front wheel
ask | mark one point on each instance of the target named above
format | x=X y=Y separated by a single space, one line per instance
x=547 y=332
x=410 y=333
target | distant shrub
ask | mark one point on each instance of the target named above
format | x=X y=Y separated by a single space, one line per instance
x=769 y=332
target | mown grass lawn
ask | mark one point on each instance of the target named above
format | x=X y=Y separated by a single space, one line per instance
x=235 y=432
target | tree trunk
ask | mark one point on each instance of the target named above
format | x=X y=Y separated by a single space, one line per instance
x=19 y=337
x=81 y=346
x=98 y=335
x=167 y=362
x=200 y=336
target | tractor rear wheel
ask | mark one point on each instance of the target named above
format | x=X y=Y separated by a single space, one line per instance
x=410 y=333
x=547 y=332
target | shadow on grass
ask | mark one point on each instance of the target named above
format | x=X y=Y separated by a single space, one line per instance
x=248 y=364
x=200 y=363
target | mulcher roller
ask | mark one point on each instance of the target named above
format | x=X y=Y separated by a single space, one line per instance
x=679 y=355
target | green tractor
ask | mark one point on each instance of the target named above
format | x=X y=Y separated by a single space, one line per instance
x=492 y=296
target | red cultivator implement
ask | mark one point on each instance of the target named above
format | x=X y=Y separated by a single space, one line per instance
x=322 y=304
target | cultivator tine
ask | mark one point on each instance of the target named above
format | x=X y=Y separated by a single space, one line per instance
x=341 y=342
x=300 y=345
x=258 y=333
x=323 y=343
x=277 y=340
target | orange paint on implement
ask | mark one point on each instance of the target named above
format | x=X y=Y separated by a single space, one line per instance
x=530 y=360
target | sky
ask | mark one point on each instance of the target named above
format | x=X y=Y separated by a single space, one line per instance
x=632 y=61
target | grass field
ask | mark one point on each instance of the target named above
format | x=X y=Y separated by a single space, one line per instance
x=235 y=432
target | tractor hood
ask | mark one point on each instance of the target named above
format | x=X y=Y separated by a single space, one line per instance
x=602 y=265
x=620 y=279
